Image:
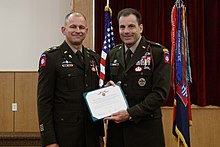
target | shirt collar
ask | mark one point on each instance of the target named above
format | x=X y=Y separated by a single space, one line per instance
x=133 y=48
x=73 y=49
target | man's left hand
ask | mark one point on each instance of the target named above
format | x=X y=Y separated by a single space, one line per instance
x=119 y=117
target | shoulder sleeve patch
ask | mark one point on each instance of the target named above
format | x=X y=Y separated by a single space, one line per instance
x=166 y=56
x=43 y=60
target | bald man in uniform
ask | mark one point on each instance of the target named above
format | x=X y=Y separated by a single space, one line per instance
x=65 y=72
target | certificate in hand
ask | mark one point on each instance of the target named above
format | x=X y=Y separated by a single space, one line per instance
x=105 y=101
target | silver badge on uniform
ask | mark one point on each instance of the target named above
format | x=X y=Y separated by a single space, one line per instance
x=114 y=63
x=141 y=82
x=41 y=127
x=67 y=63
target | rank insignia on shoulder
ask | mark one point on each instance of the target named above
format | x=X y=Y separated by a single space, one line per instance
x=166 y=56
x=118 y=46
x=54 y=48
x=43 y=60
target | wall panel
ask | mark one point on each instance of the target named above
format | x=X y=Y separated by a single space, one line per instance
x=205 y=129
x=26 y=98
x=6 y=100
x=86 y=6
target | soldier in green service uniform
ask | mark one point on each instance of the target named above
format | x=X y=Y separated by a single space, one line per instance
x=144 y=70
x=65 y=72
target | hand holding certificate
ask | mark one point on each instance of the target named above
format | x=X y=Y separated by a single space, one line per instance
x=105 y=101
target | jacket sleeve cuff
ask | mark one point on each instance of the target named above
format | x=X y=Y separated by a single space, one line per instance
x=47 y=138
x=133 y=111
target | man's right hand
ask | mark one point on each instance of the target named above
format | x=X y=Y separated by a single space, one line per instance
x=110 y=83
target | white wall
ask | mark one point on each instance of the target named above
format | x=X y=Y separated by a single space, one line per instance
x=27 y=28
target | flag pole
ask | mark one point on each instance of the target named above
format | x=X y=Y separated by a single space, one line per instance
x=107 y=45
x=181 y=75
x=178 y=141
x=106 y=122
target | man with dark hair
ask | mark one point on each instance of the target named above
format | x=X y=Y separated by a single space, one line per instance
x=144 y=70
x=65 y=72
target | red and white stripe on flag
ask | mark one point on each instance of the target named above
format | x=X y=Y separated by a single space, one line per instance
x=107 y=44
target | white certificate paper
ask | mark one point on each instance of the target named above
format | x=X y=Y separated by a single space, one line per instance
x=105 y=101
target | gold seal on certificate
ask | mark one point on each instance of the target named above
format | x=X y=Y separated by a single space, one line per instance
x=105 y=101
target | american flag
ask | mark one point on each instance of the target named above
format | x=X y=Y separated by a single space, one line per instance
x=181 y=75
x=108 y=43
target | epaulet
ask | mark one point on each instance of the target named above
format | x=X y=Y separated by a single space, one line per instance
x=119 y=46
x=91 y=50
x=155 y=43
x=52 y=49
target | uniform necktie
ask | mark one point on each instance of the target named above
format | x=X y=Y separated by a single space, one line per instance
x=80 y=57
x=128 y=56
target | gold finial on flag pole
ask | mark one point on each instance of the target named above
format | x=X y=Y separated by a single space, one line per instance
x=107 y=8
